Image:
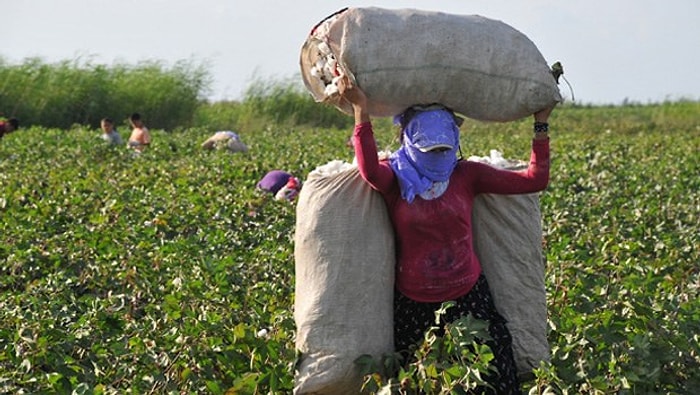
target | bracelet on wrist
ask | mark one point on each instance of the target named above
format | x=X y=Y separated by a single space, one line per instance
x=541 y=127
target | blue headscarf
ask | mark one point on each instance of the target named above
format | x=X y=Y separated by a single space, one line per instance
x=415 y=165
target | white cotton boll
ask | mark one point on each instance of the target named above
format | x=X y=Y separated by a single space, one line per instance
x=332 y=167
x=324 y=48
x=330 y=90
x=327 y=73
x=315 y=73
x=496 y=159
x=323 y=29
x=262 y=332
x=335 y=166
x=320 y=64
x=475 y=158
x=332 y=64
x=327 y=76
x=384 y=155
x=381 y=155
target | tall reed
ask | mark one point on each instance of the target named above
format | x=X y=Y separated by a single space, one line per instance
x=81 y=92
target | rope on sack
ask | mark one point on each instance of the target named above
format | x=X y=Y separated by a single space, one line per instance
x=558 y=71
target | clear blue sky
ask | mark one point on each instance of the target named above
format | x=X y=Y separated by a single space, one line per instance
x=612 y=50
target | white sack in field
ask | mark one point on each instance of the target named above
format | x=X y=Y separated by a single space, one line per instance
x=508 y=241
x=344 y=268
x=480 y=67
x=225 y=139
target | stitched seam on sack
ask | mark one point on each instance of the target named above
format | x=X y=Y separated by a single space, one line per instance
x=443 y=67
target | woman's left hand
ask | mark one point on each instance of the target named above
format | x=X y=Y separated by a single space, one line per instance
x=543 y=115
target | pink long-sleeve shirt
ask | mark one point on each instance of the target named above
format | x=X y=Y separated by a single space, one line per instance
x=435 y=255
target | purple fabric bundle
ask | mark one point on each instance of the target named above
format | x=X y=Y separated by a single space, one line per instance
x=273 y=181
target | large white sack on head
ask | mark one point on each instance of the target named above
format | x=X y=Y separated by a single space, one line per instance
x=508 y=241
x=480 y=67
x=344 y=268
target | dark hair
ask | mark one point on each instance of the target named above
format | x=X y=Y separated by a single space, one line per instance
x=108 y=120
x=405 y=117
x=14 y=122
x=135 y=117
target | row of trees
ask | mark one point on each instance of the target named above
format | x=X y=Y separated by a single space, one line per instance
x=73 y=92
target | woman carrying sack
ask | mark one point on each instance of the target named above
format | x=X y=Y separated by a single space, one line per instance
x=429 y=194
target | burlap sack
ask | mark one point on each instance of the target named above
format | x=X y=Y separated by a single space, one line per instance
x=344 y=267
x=225 y=140
x=508 y=241
x=480 y=67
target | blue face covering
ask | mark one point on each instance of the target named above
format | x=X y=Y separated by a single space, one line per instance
x=415 y=166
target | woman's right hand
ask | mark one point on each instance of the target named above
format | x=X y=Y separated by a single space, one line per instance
x=353 y=94
x=356 y=97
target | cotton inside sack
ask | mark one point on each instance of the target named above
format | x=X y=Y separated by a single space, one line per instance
x=482 y=68
x=344 y=272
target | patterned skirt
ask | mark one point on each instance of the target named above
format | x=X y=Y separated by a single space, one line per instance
x=412 y=319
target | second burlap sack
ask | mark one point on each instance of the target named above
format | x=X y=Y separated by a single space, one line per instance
x=482 y=68
x=508 y=241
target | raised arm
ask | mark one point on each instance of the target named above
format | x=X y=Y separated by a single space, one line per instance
x=542 y=123
x=533 y=179
x=356 y=97
x=379 y=177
